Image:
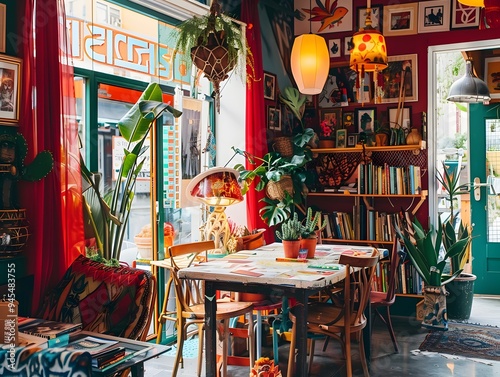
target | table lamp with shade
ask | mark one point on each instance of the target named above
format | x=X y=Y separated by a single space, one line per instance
x=217 y=188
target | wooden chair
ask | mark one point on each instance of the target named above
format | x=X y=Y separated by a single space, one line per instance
x=116 y=301
x=380 y=300
x=342 y=322
x=190 y=308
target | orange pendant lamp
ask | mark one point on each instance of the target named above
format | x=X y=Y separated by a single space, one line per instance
x=368 y=55
x=310 y=62
x=472 y=3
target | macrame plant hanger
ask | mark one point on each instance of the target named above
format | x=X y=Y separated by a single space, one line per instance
x=212 y=57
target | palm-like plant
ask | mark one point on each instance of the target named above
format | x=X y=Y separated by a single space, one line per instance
x=106 y=215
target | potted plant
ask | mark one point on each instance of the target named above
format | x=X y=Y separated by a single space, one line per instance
x=290 y=233
x=424 y=247
x=309 y=235
x=106 y=214
x=215 y=44
x=461 y=289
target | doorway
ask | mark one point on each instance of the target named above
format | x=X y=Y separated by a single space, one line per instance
x=467 y=124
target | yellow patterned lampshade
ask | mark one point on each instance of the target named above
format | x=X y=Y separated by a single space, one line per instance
x=369 y=52
x=216 y=187
x=310 y=63
x=472 y=3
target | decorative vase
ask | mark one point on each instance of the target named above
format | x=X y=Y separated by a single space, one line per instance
x=327 y=143
x=291 y=248
x=414 y=137
x=310 y=245
x=434 y=309
x=381 y=139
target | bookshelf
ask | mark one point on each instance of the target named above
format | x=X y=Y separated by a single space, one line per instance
x=377 y=200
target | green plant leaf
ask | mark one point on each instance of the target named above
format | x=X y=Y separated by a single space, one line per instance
x=294 y=100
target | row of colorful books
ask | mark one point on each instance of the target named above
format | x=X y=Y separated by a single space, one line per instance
x=106 y=353
x=408 y=280
x=389 y=180
x=363 y=224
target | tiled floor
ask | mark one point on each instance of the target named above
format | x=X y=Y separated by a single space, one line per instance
x=385 y=363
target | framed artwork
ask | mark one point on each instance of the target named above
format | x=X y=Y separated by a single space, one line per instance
x=273 y=118
x=3 y=12
x=269 y=86
x=376 y=16
x=324 y=20
x=352 y=140
x=463 y=16
x=400 y=19
x=433 y=16
x=287 y=120
x=400 y=79
x=10 y=69
x=365 y=119
x=347 y=119
x=348 y=45
x=341 y=138
x=339 y=88
x=333 y=117
x=334 y=48
x=492 y=76
x=403 y=119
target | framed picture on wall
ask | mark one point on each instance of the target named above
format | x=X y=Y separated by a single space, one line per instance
x=339 y=17
x=492 y=76
x=365 y=119
x=273 y=118
x=433 y=16
x=10 y=69
x=348 y=45
x=341 y=138
x=352 y=140
x=376 y=17
x=463 y=16
x=333 y=118
x=400 y=69
x=400 y=119
x=400 y=19
x=269 y=86
x=335 y=48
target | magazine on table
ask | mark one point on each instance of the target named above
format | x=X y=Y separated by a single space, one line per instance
x=93 y=345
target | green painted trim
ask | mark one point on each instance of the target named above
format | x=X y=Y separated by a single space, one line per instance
x=145 y=11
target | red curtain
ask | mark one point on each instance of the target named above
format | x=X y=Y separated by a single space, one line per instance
x=255 y=133
x=48 y=122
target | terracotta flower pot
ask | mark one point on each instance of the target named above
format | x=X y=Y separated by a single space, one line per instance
x=291 y=248
x=310 y=245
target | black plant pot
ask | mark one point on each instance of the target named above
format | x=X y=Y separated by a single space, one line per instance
x=460 y=296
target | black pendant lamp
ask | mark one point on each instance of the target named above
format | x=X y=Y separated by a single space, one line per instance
x=469 y=88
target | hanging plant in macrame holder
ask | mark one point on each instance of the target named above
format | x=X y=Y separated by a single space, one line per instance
x=214 y=43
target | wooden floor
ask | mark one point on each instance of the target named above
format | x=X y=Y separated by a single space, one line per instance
x=385 y=363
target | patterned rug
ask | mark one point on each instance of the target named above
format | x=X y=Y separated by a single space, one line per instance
x=470 y=341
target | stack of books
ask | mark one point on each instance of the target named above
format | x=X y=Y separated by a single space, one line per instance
x=56 y=333
x=104 y=352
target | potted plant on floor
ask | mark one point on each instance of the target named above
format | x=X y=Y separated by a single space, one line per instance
x=309 y=235
x=424 y=247
x=290 y=233
x=461 y=289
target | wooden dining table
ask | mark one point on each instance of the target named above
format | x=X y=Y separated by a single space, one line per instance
x=264 y=270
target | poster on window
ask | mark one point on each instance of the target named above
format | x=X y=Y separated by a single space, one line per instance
x=191 y=138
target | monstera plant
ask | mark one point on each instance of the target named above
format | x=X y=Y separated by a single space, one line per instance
x=106 y=214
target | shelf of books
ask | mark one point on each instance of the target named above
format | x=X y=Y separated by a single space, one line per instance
x=409 y=281
x=360 y=148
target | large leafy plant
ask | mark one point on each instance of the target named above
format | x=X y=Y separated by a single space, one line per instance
x=424 y=247
x=106 y=215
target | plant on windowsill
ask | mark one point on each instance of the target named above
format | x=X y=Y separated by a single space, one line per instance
x=106 y=214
